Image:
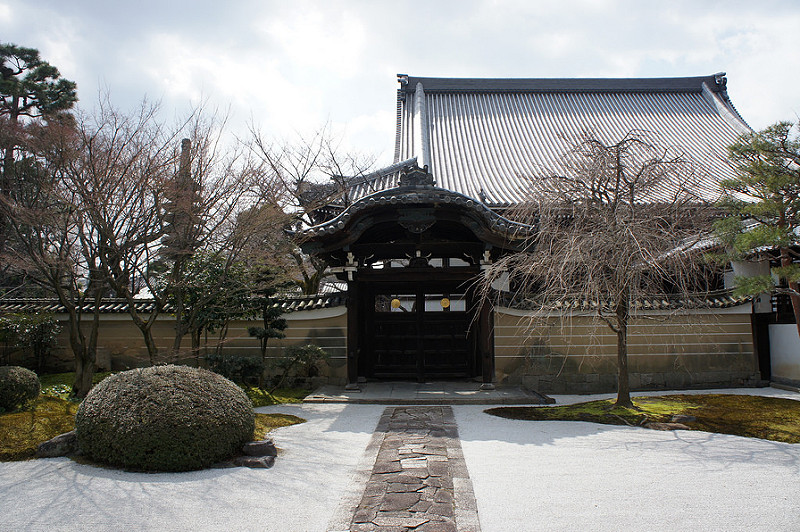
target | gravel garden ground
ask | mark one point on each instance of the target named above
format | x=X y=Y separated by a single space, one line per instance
x=527 y=475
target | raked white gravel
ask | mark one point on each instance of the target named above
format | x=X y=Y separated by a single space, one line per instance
x=573 y=476
x=527 y=476
x=298 y=494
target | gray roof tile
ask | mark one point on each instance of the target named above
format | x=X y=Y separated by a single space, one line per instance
x=491 y=138
x=120 y=306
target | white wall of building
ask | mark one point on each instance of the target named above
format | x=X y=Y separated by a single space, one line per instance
x=785 y=352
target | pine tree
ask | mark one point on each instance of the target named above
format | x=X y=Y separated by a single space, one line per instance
x=766 y=191
x=30 y=88
x=269 y=283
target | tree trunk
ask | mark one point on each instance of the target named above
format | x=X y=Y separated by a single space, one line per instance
x=223 y=333
x=8 y=170
x=180 y=326
x=145 y=326
x=84 y=361
x=623 y=387
x=84 y=371
x=150 y=343
x=84 y=357
x=196 y=346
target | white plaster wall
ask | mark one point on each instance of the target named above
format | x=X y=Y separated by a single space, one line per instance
x=784 y=345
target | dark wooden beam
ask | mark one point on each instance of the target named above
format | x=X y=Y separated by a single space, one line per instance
x=486 y=344
x=353 y=340
x=435 y=276
x=398 y=250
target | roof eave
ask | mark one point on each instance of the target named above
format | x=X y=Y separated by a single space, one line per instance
x=715 y=82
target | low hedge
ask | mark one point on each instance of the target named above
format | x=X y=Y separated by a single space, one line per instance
x=164 y=418
x=17 y=387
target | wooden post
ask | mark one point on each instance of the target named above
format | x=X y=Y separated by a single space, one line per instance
x=420 y=325
x=353 y=340
x=486 y=344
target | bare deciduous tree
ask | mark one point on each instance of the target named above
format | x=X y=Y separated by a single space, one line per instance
x=53 y=242
x=616 y=225
x=153 y=206
x=304 y=178
x=118 y=176
x=209 y=210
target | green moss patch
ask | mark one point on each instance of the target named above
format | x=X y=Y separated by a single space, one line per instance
x=268 y=422
x=769 y=418
x=60 y=384
x=280 y=396
x=21 y=432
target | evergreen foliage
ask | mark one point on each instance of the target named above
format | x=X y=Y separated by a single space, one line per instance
x=34 y=99
x=213 y=292
x=17 y=387
x=37 y=332
x=236 y=368
x=30 y=86
x=269 y=282
x=764 y=203
x=302 y=359
x=164 y=418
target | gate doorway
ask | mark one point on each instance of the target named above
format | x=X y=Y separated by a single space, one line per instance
x=418 y=331
x=414 y=245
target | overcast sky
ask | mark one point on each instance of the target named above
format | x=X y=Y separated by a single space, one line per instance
x=291 y=66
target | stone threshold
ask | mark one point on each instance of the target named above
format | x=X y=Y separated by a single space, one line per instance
x=386 y=393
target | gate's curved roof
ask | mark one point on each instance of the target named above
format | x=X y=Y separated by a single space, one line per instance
x=484 y=138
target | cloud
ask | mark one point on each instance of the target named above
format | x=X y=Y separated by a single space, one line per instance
x=247 y=84
x=374 y=130
x=330 y=41
x=294 y=66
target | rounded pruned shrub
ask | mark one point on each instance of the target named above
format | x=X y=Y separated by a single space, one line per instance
x=164 y=418
x=17 y=387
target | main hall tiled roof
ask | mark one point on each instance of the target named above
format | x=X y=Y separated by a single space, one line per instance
x=485 y=138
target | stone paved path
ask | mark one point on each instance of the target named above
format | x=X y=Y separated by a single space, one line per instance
x=419 y=480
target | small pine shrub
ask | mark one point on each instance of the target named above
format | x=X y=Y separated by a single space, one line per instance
x=236 y=368
x=164 y=418
x=17 y=387
x=302 y=359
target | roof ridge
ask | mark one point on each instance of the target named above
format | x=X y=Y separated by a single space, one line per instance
x=380 y=172
x=716 y=83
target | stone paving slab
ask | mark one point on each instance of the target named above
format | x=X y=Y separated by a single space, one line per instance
x=418 y=481
x=426 y=393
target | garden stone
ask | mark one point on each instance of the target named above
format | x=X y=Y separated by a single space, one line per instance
x=682 y=418
x=666 y=426
x=254 y=462
x=260 y=448
x=61 y=445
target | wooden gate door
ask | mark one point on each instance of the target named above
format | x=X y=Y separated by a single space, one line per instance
x=420 y=334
